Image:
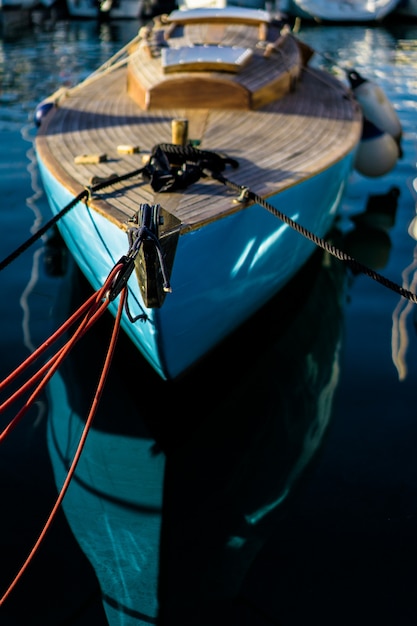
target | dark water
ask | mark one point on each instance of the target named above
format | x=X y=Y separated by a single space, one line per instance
x=277 y=483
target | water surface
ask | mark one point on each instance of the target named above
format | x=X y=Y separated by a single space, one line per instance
x=285 y=486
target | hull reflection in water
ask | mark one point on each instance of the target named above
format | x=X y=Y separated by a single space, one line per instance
x=181 y=483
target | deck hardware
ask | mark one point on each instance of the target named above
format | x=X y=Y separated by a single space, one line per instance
x=89 y=159
x=243 y=195
x=127 y=149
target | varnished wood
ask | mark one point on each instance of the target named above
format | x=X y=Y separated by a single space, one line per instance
x=264 y=77
x=281 y=120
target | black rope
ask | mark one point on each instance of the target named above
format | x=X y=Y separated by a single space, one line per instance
x=215 y=161
x=42 y=230
x=85 y=194
x=247 y=194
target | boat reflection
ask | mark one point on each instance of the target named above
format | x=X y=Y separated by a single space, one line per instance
x=182 y=483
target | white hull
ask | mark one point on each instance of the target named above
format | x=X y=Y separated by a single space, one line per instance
x=340 y=10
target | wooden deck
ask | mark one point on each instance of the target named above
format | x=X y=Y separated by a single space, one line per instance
x=276 y=145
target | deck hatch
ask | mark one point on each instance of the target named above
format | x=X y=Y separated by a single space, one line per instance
x=200 y=57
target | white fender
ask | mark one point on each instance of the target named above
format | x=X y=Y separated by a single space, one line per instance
x=412 y=228
x=377 y=152
x=375 y=105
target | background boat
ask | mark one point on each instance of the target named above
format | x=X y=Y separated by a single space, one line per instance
x=339 y=10
x=117 y=9
x=19 y=16
x=15 y=15
x=94 y=9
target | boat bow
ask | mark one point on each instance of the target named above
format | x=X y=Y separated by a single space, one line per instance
x=239 y=87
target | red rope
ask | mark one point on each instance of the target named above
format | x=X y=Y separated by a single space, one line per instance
x=81 y=443
x=36 y=353
x=94 y=308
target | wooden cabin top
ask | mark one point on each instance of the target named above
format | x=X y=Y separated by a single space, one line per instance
x=231 y=58
x=282 y=120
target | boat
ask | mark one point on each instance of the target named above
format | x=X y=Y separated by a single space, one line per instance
x=116 y=9
x=172 y=514
x=17 y=5
x=15 y=15
x=176 y=515
x=206 y=159
x=340 y=10
x=104 y=9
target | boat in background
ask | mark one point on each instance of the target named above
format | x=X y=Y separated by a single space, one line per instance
x=17 y=5
x=104 y=9
x=239 y=153
x=18 y=15
x=117 y=9
x=15 y=15
x=339 y=10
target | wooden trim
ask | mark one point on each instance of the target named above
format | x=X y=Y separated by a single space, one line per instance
x=198 y=92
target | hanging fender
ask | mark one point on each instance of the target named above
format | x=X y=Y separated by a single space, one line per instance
x=375 y=105
x=42 y=111
x=47 y=105
x=377 y=153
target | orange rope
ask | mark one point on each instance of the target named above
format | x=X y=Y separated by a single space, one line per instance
x=52 y=365
x=80 y=446
x=36 y=353
x=97 y=308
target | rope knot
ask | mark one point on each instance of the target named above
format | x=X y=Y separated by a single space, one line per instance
x=173 y=167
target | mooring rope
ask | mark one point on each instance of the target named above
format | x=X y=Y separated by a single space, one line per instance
x=83 y=195
x=192 y=155
x=357 y=266
x=93 y=410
